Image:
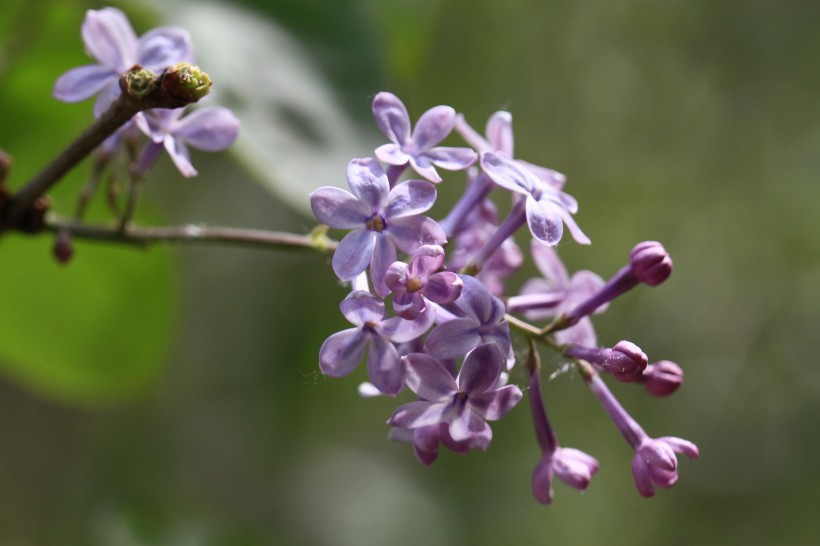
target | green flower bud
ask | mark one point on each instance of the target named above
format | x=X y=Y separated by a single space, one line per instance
x=138 y=81
x=185 y=83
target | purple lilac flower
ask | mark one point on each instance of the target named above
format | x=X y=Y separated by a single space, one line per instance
x=110 y=39
x=654 y=463
x=342 y=352
x=662 y=378
x=571 y=466
x=426 y=441
x=419 y=147
x=479 y=319
x=555 y=292
x=500 y=141
x=649 y=263
x=414 y=284
x=465 y=403
x=547 y=209
x=381 y=219
x=210 y=129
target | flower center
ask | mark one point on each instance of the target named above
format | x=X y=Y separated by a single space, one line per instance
x=376 y=224
x=414 y=285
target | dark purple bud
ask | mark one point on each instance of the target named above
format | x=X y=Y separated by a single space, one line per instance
x=626 y=362
x=63 y=249
x=662 y=378
x=650 y=263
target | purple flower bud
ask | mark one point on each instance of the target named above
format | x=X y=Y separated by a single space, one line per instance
x=63 y=249
x=655 y=463
x=650 y=263
x=662 y=378
x=626 y=361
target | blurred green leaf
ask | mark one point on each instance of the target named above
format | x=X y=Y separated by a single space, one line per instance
x=98 y=330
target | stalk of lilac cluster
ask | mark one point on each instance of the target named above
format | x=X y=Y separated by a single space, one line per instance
x=649 y=263
x=511 y=224
x=654 y=463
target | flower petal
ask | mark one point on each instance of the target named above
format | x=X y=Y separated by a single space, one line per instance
x=574 y=467
x=542 y=480
x=679 y=445
x=579 y=236
x=397 y=276
x=354 y=253
x=82 y=82
x=210 y=129
x=384 y=366
x=443 y=288
x=453 y=338
x=411 y=232
x=410 y=198
x=452 y=159
x=361 y=307
x=433 y=126
x=391 y=154
x=109 y=38
x=422 y=165
x=338 y=208
x=391 y=117
x=544 y=220
x=368 y=182
x=468 y=425
x=426 y=377
x=550 y=265
x=179 y=154
x=400 y=330
x=481 y=369
x=417 y=415
x=640 y=473
x=494 y=405
x=427 y=259
x=161 y=47
x=500 y=134
x=342 y=352
x=507 y=174
x=384 y=254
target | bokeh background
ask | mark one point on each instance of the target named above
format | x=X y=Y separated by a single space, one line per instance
x=171 y=396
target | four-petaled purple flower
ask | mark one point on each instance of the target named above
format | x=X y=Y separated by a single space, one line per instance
x=465 y=403
x=413 y=284
x=547 y=208
x=381 y=219
x=479 y=319
x=419 y=148
x=110 y=39
x=210 y=129
x=342 y=352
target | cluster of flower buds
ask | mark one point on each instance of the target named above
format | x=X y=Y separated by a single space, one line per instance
x=166 y=51
x=447 y=339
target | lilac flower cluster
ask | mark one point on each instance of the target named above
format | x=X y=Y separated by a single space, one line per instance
x=427 y=297
x=112 y=42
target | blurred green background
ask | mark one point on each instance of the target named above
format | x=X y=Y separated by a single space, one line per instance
x=172 y=396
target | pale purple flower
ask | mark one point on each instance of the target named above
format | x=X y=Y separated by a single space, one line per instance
x=418 y=148
x=479 y=319
x=555 y=292
x=414 y=284
x=209 y=129
x=426 y=441
x=381 y=218
x=547 y=208
x=110 y=39
x=500 y=141
x=654 y=463
x=342 y=352
x=465 y=403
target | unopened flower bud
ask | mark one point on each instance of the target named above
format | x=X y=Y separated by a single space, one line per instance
x=662 y=378
x=138 y=81
x=650 y=263
x=63 y=249
x=185 y=82
x=626 y=361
